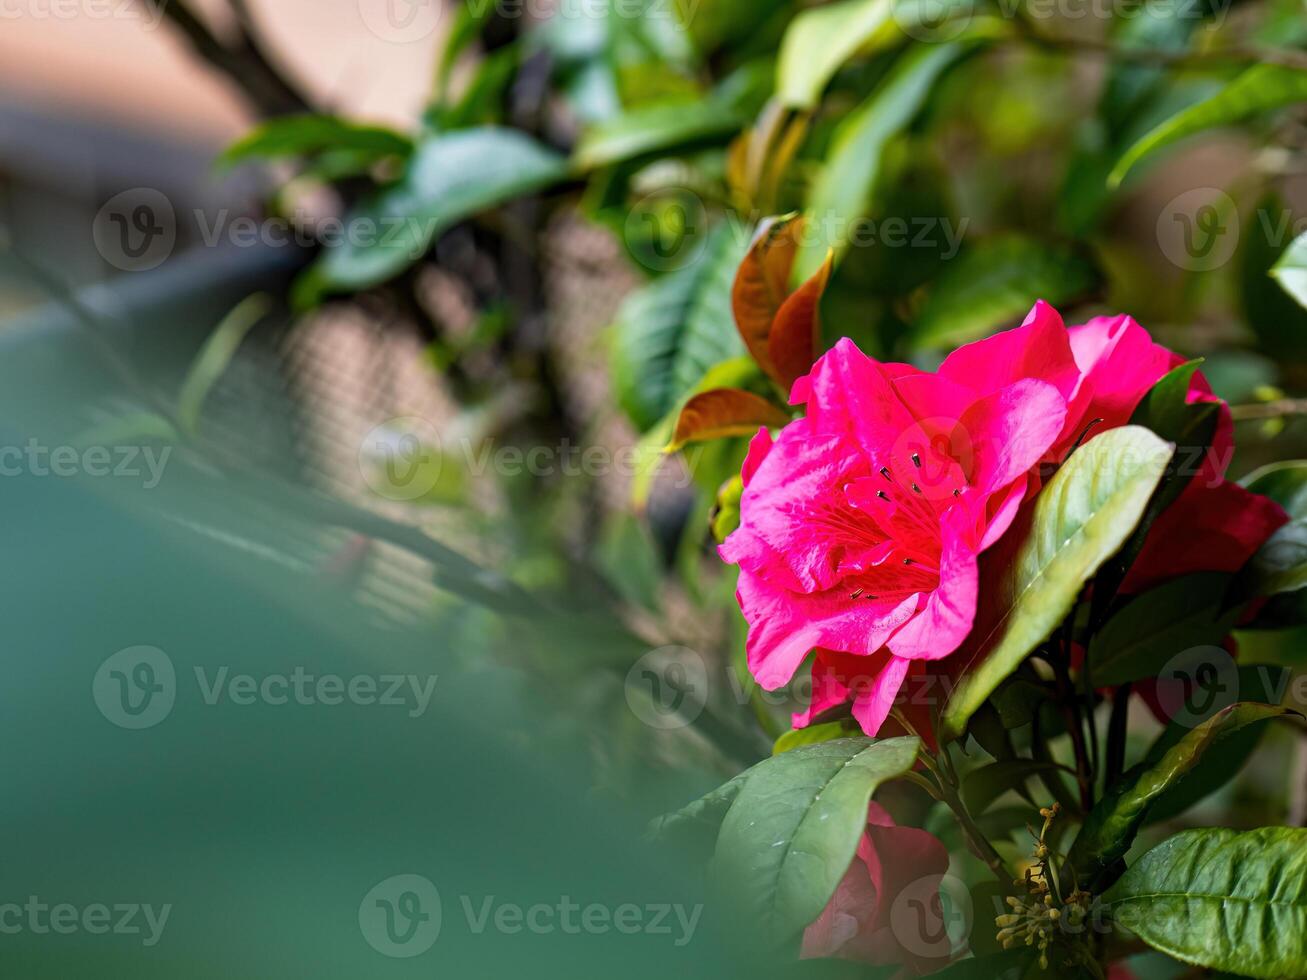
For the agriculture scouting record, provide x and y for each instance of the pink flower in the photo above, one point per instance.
(1216, 525)
(860, 526)
(886, 910)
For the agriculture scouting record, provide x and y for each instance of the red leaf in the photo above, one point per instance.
(723, 412)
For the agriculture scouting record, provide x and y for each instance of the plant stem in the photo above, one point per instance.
(979, 842)
(1269, 410)
(1071, 712)
(1116, 735)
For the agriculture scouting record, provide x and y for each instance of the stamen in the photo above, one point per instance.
(882, 495)
(855, 593)
(916, 460)
(957, 493)
(908, 561)
(884, 471)
(916, 489)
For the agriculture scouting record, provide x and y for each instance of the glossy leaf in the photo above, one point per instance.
(306, 135)
(821, 39)
(724, 412)
(1222, 762)
(1259, 89)
(450, 178)
(841, 193)
(670, 332)
(661, 126)
(1280, 565)
(814, 735)
(762, 284)
(1222, 899)
(1154, 627)
(993, 285)
(1110, 828)
(796, 333)
(1285, 483)
(790, 827)
(1087, 511)
(1291, 270)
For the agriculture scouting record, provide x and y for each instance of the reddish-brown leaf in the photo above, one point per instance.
(722, 412)
(796, 331)
(762, 284)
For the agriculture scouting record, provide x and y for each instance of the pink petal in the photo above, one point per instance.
(1039, 348)
(945, 620)
(1012, 430)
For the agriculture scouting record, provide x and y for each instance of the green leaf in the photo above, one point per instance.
(821, 39)
(659, 127)
(1266, 249)
(1110, 828)
(1285, 483)
(842, 190)
(1259, 89)
(306, 135)
(1222, 899)
(1222, 762)
(981, 787)
(790, 827)
(451, 177)
(1084, 515)
(1291, 270)
(1280, 565)
(1155, 626)
(994, 284)
(214, 357)
(814, 734)
(670, 332)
